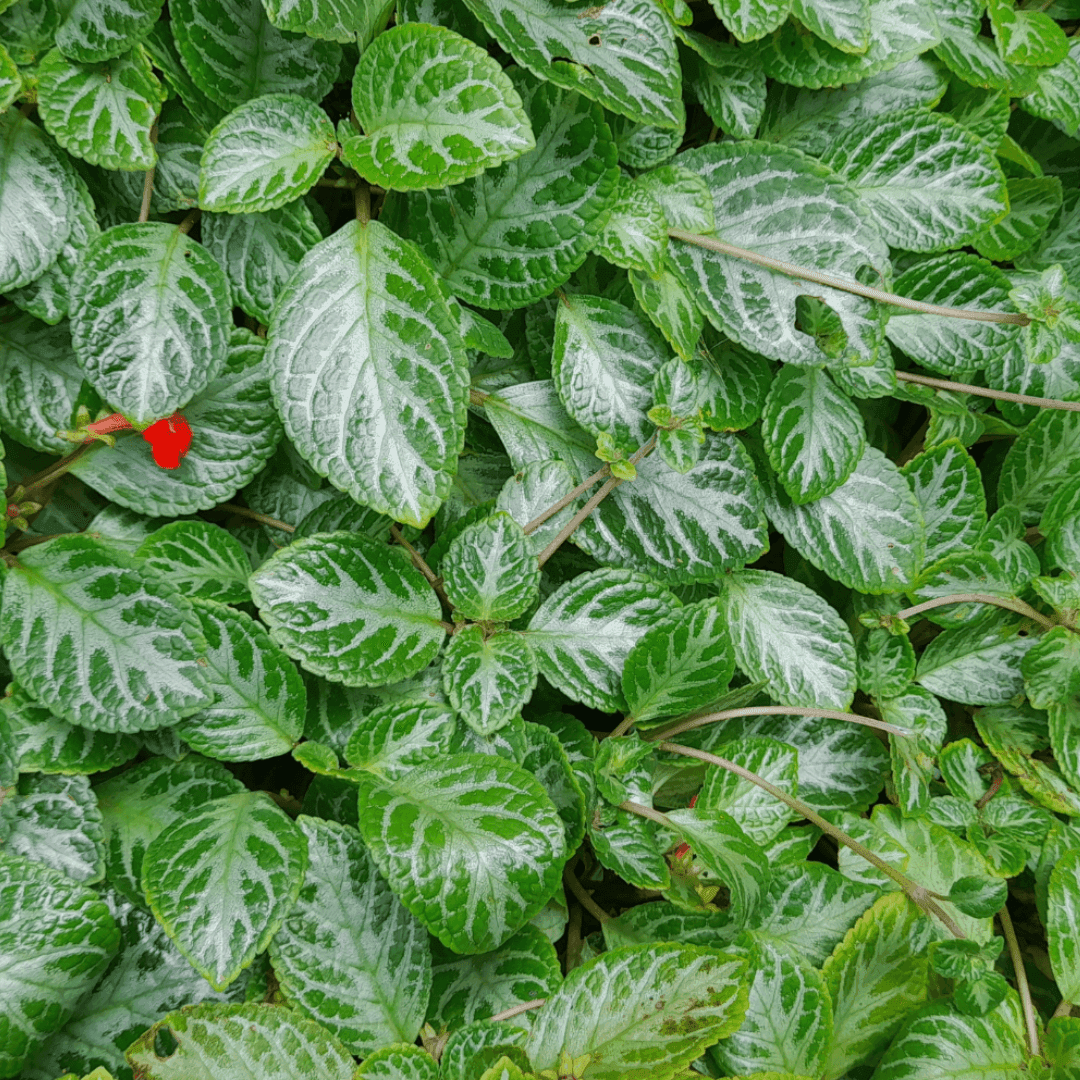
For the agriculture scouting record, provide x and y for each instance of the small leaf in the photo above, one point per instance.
(488, 679)
(979, 897)
(635, 235)
(98, 30)
(391, 739)
(265, 154)
(202, 560)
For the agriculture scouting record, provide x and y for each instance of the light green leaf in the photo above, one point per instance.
(621, 54)
(234, 430)
(510, 236)
(875, 978)
(729, 84)
(1052, 669)
(635, 235)
(102, 112)
(844, 24)
(38, 200)
(487, 679)
(346, 21)
(620, 1008)
(221, 881)
(628, 847)
(491, 574)
(1063, 928)
(1041, 460)
(212, 1041)
(914, 756)
(1056, 96)
(264, 154)
(1026, 37)
(55, 820)
(399, 1061)
(764, 198)
(788, 1023)
(97, 30)
(1033, 203)
(868, 534)
(468, 988)
(259, 699)
(470, 843)
(670, 308)
(260, 252)
(753, 20)
(583, 632)
(682, 663)
(390, 740)
(56, 939)
(234, 53)
(349, 955)
(530, 491)
(343, 381)
(349, 608)
(473, 1048)
(548, 759)
(10, 79)
(103, 643)
(202, 560)
(435, 109)
(151, 314)
(788, 636)
(813, 433)
(604, 361)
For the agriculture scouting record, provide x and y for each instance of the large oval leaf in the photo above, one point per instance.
(359, 325)
(150, 318)
(103, 643)
(350, 609)
(470, 843)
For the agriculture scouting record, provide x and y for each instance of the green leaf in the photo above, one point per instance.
(259, 699)
(491, 573)
(813, 433)
(202, 560)
(621, 1009)
(264, 154)
(1056, 96)
(788, 636)
(844, 24)
(472, 1048)
(622, 55)
(468, 988)
(635, 235)
(104, 644)
(211, 1041)
(234, 430)
(531, 491)
(980, 897)
(260, 252)
(10, 79)
(548, 759)
(1033, 203)
(1040, 461)
(470, 843)
(1051, 668)
(399, 1061)
(150, 318)
(729, 84)
(346, 21)
(234, 53)
(38, 200)
(487, 679)
(161, 45)
(924, 178)
(98, 30)
(510, 236)
(349, 955)
(102, 112)
(753, 20)
(1063, 928)
(343, 381)
(788, 1023)
(56, 939)
(390, 740)
(756, 189)
(604, 361)
(875, 978)
(670, 308)
(913, 756)
(221, 881)
(435, 109)
(349, 608)
(583, 632)
(1026, 37)
(682, 663)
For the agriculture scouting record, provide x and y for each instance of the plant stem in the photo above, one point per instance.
(148, 181)
(982, 391)
(583, 898)
(1009, 603)
(573, 940)
(188, 223)
(568, 529)
(566, 500)
(1065, 1008)
(847, 285)
(517, 1010)
(623, 726)
(58, 468)
(648, 813)
(262, 519)
(1022, 987)
(362, 199)
(346, 182)
(420, 563)
(771, 710)
(917, 893)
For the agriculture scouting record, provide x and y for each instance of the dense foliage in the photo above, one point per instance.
(565, 650)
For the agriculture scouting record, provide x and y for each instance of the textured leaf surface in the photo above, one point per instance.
(213, 1040)
(487, 679)
(635, 235)
(470, 843)
(349, 955)
(361, 321)
(1042, 459)
(582, 633)
(265, 154)
(97, 30)
(621, 1008)
(352, 21)
(435, 109)
(1063, 930)
(150, 318)
(104, 644)
(509, 237)
(391, 739)
(621, 54)
(349, 609)
(222, 880)
(202, 560)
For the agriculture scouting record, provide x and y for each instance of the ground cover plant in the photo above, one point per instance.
(542, 540)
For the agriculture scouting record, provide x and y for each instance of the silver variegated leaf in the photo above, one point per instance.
(488, 678)
(97, 30)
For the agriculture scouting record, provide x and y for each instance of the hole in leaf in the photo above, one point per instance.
(165, 1044)
(815, 318)
(568, 60)
(595, 39)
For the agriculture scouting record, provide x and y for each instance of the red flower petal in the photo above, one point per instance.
(169, 440)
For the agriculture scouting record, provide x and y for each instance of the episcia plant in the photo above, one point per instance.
(597, 592)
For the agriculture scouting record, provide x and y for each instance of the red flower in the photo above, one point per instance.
(169, 440)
